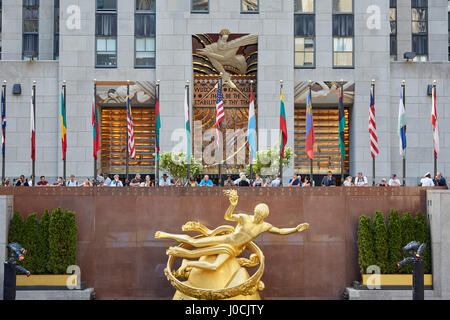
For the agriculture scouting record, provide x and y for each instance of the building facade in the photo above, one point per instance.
(323, 41)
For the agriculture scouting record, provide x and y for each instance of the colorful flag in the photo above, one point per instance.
(251, 133)
(157, 127)
(187, 124)
(342, 123)
(32, 128)
(402, 126)
(63, 126)
(310, 138)
(434, 123)
(3, 124)
(95, 128)
(283, 126)
(372, 127)
(131, 148)
(220, 113)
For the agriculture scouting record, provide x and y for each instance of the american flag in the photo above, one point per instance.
(373, 127)
(131, 149)
(434, 123)
(220, 113)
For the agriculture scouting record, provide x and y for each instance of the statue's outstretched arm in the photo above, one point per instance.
(233, 197)
(286, 231)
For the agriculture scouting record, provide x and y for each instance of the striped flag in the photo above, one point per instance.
(157, 127)
(251, 133)
(187, 124)
(63, 126)
(372, 127)
(220, 113)
(32, 128)
(342, 123)
(95, 129)
(3, 124)
(434, 123)
(131, 148)
(283, 126)
(310, 138)
(402, 126)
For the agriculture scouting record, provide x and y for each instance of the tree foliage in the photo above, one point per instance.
(43, 244)
(267, 162)
(408, 235)
(422, 235)
(176, 165)
(16, 229)
(30, 242)
(366, 250)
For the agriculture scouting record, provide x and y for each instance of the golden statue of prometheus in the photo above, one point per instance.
(219, 273)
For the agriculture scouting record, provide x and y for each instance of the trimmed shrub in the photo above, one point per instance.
(366, 256)
(408, 235)
(380, 241)
(43, 244)
(422, 235)
(62, 241)
(30, 242)
(17, 229)
(394, 241)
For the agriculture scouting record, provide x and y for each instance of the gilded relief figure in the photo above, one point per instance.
(219, 248)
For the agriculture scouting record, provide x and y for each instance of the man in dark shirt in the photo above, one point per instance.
(440, 180)
(295, 181)
(329, 180)
(136, 182)
(22, 182)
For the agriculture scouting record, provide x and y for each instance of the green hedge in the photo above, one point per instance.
(382, 245)
(51, 241)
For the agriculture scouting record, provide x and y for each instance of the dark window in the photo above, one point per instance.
(304, 33)
(106, 34)
(30, 29)
(144, 31)
(200, 6)
(343, 33)
(56, 32)
(249, 6)
(393, 29)
(419, 27)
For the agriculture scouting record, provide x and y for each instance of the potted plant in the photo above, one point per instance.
(176, 165)
(267, 162)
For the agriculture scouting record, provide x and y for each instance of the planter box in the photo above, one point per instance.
(396, 280)
(45, 280)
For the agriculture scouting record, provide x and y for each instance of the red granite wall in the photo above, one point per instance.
(120, 258)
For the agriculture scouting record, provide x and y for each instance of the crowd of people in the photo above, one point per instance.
(104, 180)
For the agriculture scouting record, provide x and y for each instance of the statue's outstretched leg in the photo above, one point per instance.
(201, 242)
(221, 258)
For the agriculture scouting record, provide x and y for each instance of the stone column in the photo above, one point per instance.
(46, 29)
(404, 35)
(12, 30)
(6, 211)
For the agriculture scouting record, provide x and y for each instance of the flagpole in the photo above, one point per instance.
(65, 155)
(342, 159)
(434, 104)
(310, 160)
(128, 97)
(220, 148)
(373, 157)
(281, 153)
(4, 134)
(250, 153)
(188, 161)
(157, 142)
(404, 154)
(33, 163)
(95, 107)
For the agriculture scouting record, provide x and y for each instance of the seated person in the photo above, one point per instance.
(206, 182)
(136, 182)
(42, 182)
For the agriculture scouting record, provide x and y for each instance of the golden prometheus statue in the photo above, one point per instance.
(219, 273)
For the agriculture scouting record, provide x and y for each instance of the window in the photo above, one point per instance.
(249, 6)
(106, 34)
(56, 32)
(304, 32)
(30, 29)
(419, 21)
(343, 32)
(144, 31)
(200, 6)
(393, 32)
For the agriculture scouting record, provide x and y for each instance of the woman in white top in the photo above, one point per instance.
(116, 182)
(147, 183)
(394, 181)
(348, 182)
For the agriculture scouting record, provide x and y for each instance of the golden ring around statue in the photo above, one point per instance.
(248, 287)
